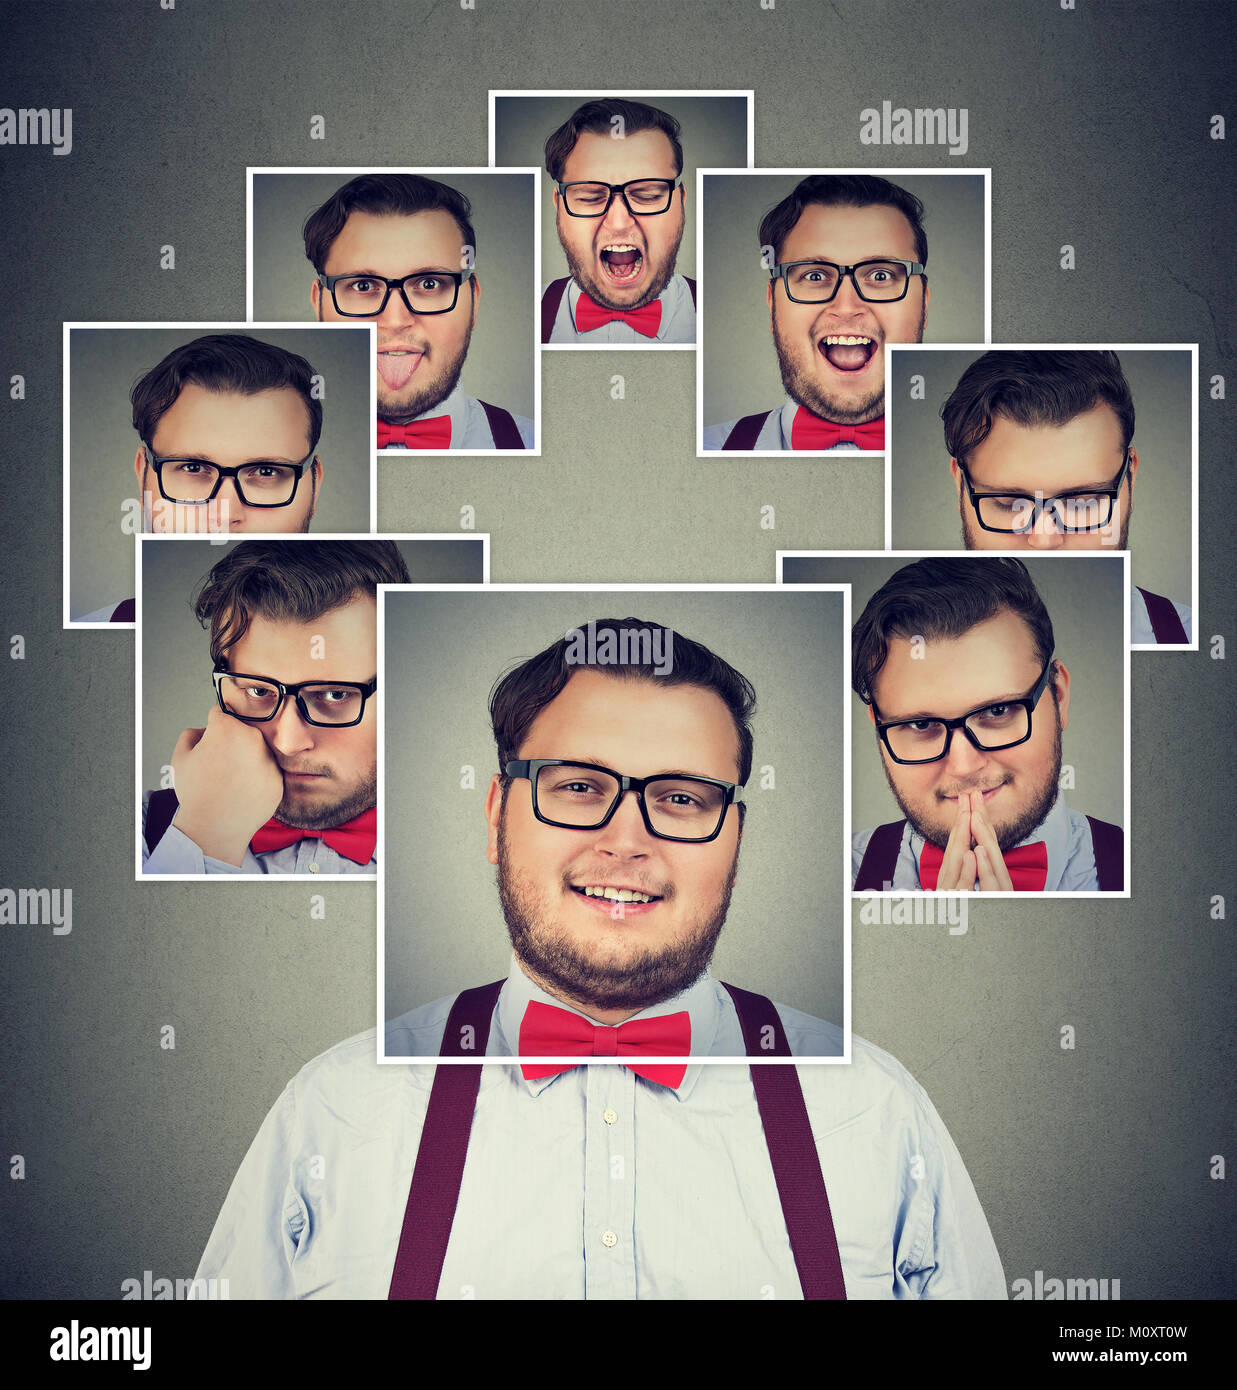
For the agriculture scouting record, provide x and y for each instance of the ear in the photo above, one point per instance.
(957, 477)
(315, 300)
(139, 466)
(871, 715)
(927, 290)
(1133, 469)
(1061, 682)
(476, 297)
(769, 288)
(683, 196)
(493, 810)
(315, 476)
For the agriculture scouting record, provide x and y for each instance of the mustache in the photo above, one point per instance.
(321, 770)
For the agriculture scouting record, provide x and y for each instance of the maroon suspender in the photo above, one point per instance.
(1108, 842)
(746, 431)
(792, 1150)
(161, 808)
(439, 1169)
(125, 611)
(1166, 624)
(691, 285)
(502, 426)
(880, 858)
(550, 301)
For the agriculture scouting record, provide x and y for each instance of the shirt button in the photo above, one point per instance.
(609, 1239)
(610, 1116)
(313, 868)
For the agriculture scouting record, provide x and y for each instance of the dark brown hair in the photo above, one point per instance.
(595, 117)
(842, 190)
(392, 195)
(1033, 388)
(290, 582)
(943, 598)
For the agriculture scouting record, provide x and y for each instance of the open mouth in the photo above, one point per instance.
(616, 902)
(396, 366)
(622, 262)
(847, 352)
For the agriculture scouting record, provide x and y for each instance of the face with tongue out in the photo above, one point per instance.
(622, 261)
(832, 355)
(419, 355)
(615, 920)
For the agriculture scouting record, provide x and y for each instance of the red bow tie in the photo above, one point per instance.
(547, 1030)
(812, 433)
(590, 314)
(434, 433)
(1027, 865)
(354, 839)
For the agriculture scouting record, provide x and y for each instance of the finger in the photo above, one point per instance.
(188, 740)
(988, 880)
(956, 846)
(968, 872)
(985, 837)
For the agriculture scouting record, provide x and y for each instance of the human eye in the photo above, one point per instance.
(922, 728)
(997, 716)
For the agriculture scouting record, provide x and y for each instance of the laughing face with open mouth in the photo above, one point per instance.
(832, 354)
(625, 259)
(420, 356)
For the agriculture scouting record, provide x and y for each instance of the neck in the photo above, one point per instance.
(592, 1011)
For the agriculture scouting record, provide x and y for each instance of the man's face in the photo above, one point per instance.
(329, 775)
(622, 261)
(995, 661)
(602, 955)
(230, 429)
(1085, 452)
(419, 355)
(838, 380)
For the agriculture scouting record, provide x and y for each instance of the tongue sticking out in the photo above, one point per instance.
(395, 368)
(847, 357)
(620, 258)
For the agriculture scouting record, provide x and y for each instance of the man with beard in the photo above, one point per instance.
(618, 197)
(614, 820)
(399, 249)
(1042, 456)
(283, 778)
(849, 275)
(968, 701)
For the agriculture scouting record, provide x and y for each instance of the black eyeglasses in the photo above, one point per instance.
(258, 699)
(1019, 512)
(194, 482)
(584, 796)
(423, 292)
(643, 197)
(1002, 724)
(817, 282)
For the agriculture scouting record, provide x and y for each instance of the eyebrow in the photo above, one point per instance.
(668, 772)
(971, 709)
(378, 274)
(1076, 487)
(875, 256)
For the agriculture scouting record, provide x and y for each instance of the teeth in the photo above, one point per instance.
(845, 340)
(620, 246)
(618, 895)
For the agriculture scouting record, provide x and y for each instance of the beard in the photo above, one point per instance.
(660, 274)
(576, 976)
(293, 810)
(1042, 793)
(402, 407)
(805, 389)
(971, 530)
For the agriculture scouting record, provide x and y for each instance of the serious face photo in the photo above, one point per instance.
(611, 851)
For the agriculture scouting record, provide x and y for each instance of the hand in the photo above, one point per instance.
(227, 785)
(990, 863)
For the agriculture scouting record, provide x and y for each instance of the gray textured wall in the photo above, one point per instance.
(1089, 1162)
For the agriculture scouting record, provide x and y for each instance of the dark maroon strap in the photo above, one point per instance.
(880, 858)
(792, 1149)
(745, 431)
(502, 426)
(439, 1169)
(550, 301)
(1166, 624)
(691, 285)
(161, 809)
(125, 611)
(1108, 842)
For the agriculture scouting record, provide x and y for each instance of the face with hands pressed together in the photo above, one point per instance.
(1047, 460)
(974, 804)
(625, 259)
(613, 958)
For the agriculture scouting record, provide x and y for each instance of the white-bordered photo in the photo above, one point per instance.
(443, 262)
(990, 707)
(673, 762)
(809, 274)
(257, 698)
(1034, 448)
(206, 428)
(618, 172)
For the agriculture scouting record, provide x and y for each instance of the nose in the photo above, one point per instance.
(1045, 534)
(395, 313)
(624, 836)
(288, 733)
(847, 299)
(618, 218)
(963, 760)
(230, 509)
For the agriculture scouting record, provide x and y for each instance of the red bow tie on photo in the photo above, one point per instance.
(1027, 865)
(590, 314)
(354, 839)
(810, 432)
(434, 433)
(546, 1031)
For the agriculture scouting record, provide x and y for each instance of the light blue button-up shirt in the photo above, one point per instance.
(775, 433)
(677, 325)
(596, 1183)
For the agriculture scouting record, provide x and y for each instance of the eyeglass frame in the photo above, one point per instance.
(530, 768)
(778, 272)
(367, 689)
(328, 282)
(1028, 702)
(156, 463)
(621, 190)
(1040, 504)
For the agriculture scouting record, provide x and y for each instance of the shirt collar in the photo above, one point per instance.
(455, 406)
(1053, 830)
(700, 1001)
